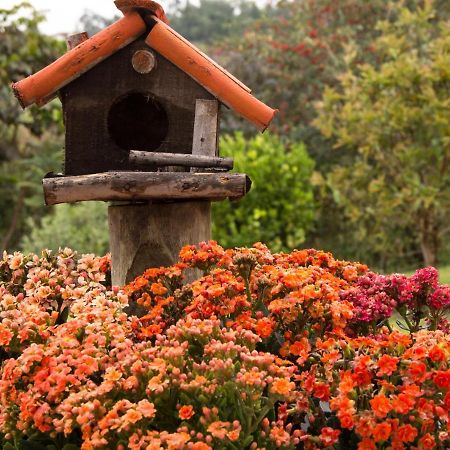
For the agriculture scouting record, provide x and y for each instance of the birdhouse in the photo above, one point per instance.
(141, 111)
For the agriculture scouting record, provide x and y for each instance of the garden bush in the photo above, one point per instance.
(280, 209)
(285, 350)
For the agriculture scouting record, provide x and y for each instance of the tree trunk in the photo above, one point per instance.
(429, 238)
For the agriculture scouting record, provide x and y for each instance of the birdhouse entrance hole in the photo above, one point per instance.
(137, 121)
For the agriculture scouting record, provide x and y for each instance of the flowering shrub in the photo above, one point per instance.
(263, 351)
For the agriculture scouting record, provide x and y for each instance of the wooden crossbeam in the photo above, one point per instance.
(134, 186)
(179, 159)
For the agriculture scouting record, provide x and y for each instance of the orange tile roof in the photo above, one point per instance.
(43, 85)
(210, 75)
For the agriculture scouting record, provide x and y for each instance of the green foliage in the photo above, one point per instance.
(23, 51)
(30, 141)
(395, 116)
(280, 208)
(83, 227)
(210, 20)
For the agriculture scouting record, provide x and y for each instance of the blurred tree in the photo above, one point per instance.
(280, 207)
(82, 227)
(210, 20)
(92, 22)
(23, 50)
(394, 115)
(289, 56)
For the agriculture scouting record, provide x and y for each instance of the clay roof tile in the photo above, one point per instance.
(43, 85)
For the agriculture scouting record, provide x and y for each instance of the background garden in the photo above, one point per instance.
(358, 162)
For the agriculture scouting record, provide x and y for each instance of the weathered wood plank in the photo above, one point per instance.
(76, 39)
(179, 159)
(206, 124)
(133, 186)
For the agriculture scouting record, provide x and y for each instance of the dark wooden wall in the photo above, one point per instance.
(94, 139)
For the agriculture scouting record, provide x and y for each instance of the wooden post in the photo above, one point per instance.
(76, 39)
(143, 236)
(152, 235)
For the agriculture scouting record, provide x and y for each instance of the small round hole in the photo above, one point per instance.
(138, 122)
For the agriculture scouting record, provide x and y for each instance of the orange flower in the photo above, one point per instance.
(382, 431)
(132, 416)
(427, 441)
(200, 446)
(381, 405)
(151, 330)
(346, 384)
(403, 403)
(418, 371)
(218, 429)
(367, 444)
(346, 421)
(5, 335)
(186, 412)
(146, 408)
(407, 433)
(387, 365)
(264, 328)
(158, 289)
(365, 426)
(282, 386)
(280, 436)
(437, 354)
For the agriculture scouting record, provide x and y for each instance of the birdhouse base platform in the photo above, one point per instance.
(145, 186)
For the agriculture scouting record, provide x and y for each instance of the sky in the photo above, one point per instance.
(62, 15)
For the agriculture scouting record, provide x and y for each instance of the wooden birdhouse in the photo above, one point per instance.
(141, 112)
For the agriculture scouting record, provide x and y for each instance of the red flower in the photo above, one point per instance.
(329, 436)
(322, 392)
(437, 354)
(442, 379)
(407, 433)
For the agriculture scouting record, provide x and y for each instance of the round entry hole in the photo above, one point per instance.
(138, 122)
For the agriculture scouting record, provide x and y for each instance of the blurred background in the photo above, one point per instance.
(357, 162)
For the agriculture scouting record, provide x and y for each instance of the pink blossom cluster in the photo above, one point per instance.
(375, 296)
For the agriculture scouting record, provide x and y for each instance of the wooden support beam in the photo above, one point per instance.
(135, 186)
(179, 159)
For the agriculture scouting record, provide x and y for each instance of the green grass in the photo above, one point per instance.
(444, 275)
